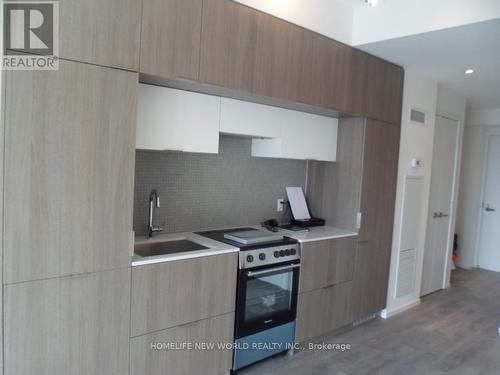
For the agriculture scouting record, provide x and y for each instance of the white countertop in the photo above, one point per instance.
(214, 248)
(319, 233)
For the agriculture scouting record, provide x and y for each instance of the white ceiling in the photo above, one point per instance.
(354, 4)
(444, 55)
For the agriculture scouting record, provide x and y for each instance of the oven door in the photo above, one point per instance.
(267, 297)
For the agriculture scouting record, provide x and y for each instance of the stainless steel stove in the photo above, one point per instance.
(266, 300)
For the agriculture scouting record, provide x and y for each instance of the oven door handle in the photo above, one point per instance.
(263, 272)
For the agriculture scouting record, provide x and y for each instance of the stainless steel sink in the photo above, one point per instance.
(151, 249)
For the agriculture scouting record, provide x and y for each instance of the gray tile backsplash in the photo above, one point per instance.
(205, 191)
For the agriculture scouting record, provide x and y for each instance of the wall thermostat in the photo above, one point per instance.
(415, 163)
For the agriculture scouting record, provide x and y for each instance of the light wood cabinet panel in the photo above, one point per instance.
(323, 310)
(228, 44)
(338, 76)
(334, 189)
(69, 171)
(76, 325)
(327, 262)
(283, 63)
(377, 206)
(2, 166)
(384, 90)
(104, 32)
(171, 38)
(173, 293)
(218, 330)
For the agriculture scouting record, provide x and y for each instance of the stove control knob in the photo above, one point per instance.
(250, 258)
(262, 256)
(282, 253)
(287, 252)
(276, 254)
(293, 251)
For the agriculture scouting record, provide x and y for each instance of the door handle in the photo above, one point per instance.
(489, 209)
(438, 215)
(271, 270)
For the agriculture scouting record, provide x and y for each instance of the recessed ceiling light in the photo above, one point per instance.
(469, 71)
(371, 3)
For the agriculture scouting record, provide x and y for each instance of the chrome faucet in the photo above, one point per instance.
(154, 200)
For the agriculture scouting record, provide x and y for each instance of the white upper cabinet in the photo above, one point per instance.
(302, 136)
(170, 119)
(250, 119)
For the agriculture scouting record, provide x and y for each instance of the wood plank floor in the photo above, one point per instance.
(451, 332)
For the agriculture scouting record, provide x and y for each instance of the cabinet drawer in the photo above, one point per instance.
(327, 262)
(148, 360)
(323, 310)
(169, 294)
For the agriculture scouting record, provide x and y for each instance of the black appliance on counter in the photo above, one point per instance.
(266, 299)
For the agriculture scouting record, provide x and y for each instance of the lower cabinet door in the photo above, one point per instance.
(323, 310)
(326, 262)
(75, 325)
(188, 349)
(171, 294)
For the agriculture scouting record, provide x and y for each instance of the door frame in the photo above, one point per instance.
(453, 201)
(487, 132)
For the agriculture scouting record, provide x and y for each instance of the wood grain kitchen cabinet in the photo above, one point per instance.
(171, 38)
(248, 50)
(334, 189)
(378, 195)
(104, 32)
(326, 263)
(283, 61)
(72, 325)
(384, 90)
(228, 44)
(323, 310)
(173, 293)
(69, 171)
(217, 330)
(338, 76)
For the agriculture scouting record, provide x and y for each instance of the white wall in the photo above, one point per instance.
(328, 17)
(397, 18)
(416, 142)
(478, 122)
(413, 187)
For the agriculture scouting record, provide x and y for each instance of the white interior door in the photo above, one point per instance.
(439, 236)
(489, 248)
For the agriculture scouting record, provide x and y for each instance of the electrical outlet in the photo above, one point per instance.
(280, 204)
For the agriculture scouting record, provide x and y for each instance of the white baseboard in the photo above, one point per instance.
(386, 313)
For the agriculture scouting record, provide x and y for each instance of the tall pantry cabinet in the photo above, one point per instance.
(68, 192)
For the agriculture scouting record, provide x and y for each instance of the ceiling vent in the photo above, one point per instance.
(418, 117)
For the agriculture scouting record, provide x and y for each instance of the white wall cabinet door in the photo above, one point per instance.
(303, 136)
(170, 119)
(250, 119)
